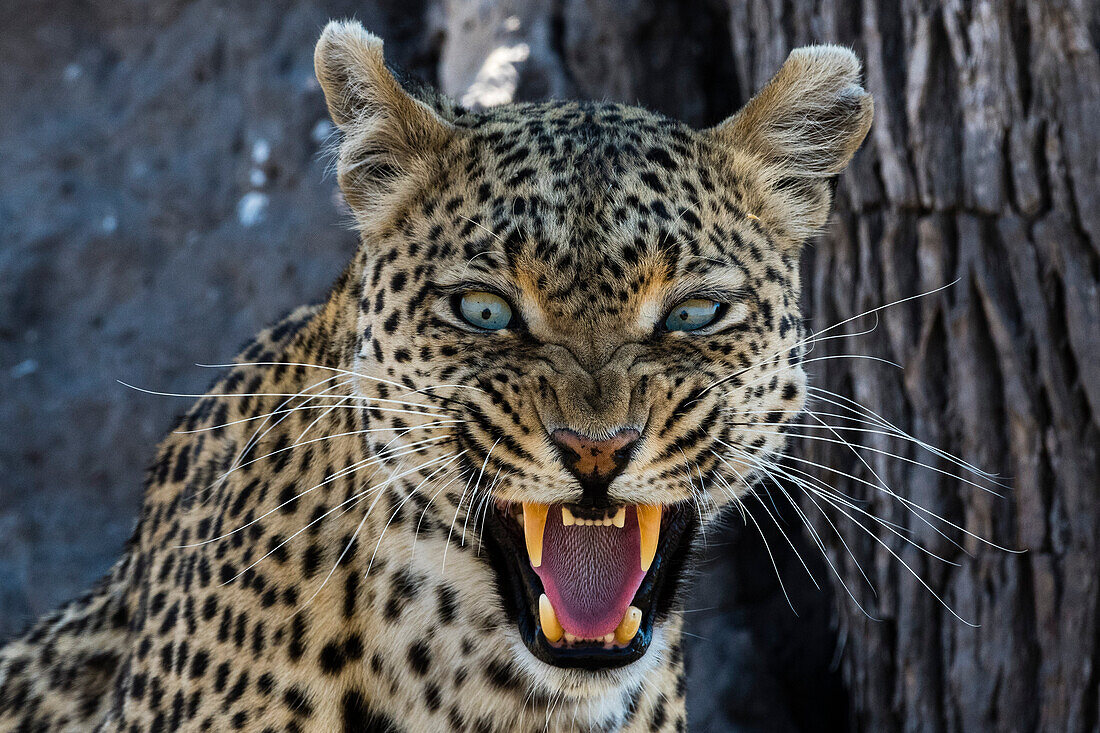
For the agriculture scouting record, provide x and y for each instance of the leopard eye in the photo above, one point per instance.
(485, 310)
(692, 314)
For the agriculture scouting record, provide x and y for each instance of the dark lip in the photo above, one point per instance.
(658, 594)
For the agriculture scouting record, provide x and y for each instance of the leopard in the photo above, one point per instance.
(466, 491)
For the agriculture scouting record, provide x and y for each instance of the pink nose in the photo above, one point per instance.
(595, 463)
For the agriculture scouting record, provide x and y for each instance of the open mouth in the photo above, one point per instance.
(586, 587)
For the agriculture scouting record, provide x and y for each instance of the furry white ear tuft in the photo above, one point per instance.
(810, 118)
(387, 133)
(800, 131)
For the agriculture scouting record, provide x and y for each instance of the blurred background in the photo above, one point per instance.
(162, 198)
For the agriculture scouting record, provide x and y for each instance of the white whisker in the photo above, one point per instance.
(366, 462)
(816, 337)
(767, 547)
(885, 423)
(880, 451)
(338, 370)
(377, 488)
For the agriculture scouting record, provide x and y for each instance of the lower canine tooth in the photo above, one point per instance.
(534, 521)
(628, 627)
(551, 629)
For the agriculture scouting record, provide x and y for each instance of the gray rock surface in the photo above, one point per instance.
(162, 196)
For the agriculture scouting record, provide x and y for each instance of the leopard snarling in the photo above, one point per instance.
(463, 492)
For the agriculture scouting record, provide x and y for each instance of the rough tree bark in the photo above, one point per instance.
(127, 163)
(982, 168)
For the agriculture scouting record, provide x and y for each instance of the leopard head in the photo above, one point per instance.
(590, 313)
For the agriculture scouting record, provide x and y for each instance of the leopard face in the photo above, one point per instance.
(601, 306)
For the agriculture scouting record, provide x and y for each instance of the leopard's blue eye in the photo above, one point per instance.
(692, 314)
(485, 310)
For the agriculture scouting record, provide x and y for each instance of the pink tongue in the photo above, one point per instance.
(590, 573)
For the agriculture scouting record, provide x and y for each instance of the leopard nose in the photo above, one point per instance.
(594, 462)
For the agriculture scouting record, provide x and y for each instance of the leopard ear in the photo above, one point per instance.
(801, 129)
(387, 133)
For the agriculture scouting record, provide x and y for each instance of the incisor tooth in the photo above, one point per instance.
(628, 627)
(551, 628)
(619, 520)
(534, 521)
(649, 527)
(567, 518)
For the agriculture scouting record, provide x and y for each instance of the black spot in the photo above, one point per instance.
(199, 663)
(351, 591)
(221, 677)
(358, 718)
(296, 700)
(501, 675)
(311, 560)
(661, 158)
(420, 657)
(651, 181)
(288, 499)
(237, 690)
(658, 720)
(297, 638)
(332, 657)
(448, 603)
(266, 683)
(432, 696)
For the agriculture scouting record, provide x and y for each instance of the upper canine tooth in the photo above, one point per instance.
(567, 518)
(628, 627)
(551, 627)
(619, 520)
(649, 527)
(534, 521)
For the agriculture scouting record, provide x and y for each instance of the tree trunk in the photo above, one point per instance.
(982, 169)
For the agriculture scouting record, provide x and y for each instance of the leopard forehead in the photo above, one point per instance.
(587, 211)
